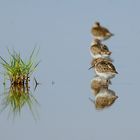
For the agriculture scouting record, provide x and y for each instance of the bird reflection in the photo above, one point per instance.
(97, 83)
(105, 98)
(17, 97)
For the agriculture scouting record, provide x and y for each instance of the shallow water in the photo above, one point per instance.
(62, 30)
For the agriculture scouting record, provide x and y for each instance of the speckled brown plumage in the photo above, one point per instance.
(100, 49)
(100, 31)
(96, 61)
(105, 66)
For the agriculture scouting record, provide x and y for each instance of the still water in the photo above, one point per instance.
(65, 109)
(62, 31)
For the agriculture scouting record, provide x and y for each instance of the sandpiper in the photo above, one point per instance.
(104, 68)
(100, 32)
(98, 50)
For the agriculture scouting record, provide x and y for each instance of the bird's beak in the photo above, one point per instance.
(112, 34)
(116, 97)
(116, 72)
(90, 67)
(109, 53)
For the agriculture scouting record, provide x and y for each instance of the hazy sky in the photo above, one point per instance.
(61, 29)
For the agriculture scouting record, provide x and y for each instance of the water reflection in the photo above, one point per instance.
(97, 83)
(103, 68)
(36, 84)
(104, 97)
(16, 97)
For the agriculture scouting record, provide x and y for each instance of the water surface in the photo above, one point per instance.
(62, 30)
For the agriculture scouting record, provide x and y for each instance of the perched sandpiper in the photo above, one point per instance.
(104, 68)
(98, 50)
(99, 32)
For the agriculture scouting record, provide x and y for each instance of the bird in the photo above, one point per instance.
(104, 68)
(105, 98)
(101, 33)
(94, 61)
(98, 50)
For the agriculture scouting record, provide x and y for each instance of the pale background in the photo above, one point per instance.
(62, 30)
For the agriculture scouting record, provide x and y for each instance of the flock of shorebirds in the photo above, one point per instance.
(103, 67)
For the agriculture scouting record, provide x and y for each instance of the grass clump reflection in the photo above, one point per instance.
(17, 97)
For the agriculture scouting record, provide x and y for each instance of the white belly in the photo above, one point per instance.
(108, 75)
(95, 56)
(99, 37)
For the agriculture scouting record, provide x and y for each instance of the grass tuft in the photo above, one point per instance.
(17, 70)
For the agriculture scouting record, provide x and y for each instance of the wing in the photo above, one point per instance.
(105, 66)
(95, 49)
(99, 31)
